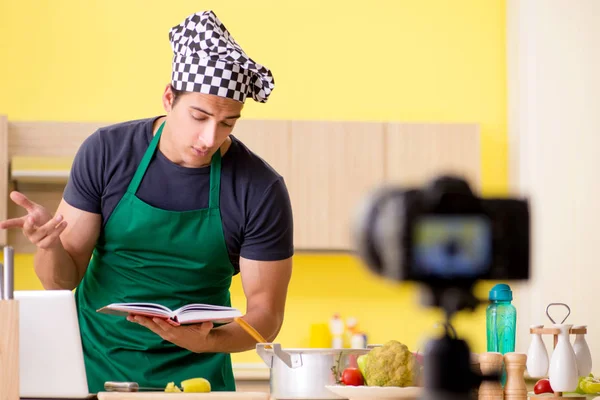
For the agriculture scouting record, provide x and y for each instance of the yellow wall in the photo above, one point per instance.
(417, 60)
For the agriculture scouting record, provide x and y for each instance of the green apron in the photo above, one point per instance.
(147, 254)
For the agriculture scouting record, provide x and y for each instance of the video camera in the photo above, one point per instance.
(445, 238)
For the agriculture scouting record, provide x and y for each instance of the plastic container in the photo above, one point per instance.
(336, 327)
(501, 323)
(501, 320)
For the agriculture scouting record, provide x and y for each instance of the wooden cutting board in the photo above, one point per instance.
(182, 396)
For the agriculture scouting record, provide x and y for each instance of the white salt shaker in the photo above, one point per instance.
(582, 353)
(563, 372)
(537, 355)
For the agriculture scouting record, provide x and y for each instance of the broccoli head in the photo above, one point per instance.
(390, 365)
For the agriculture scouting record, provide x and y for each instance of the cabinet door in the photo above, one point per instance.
(270, 140)
(416, 153)
(333, 166)
(49, 139)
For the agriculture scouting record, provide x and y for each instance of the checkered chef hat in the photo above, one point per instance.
(208, 60)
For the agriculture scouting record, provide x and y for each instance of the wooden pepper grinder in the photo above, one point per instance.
(515, 387)
(490, 363)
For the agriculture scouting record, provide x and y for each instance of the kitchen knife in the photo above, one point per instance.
(1, 281)
(112, 386)
(8, 273)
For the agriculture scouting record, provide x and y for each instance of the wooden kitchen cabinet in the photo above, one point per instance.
(333, 165)
(415, 153)
(328, 166)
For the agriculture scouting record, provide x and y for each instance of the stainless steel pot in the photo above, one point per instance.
(304, 373)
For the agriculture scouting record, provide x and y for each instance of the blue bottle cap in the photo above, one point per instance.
(501, 292)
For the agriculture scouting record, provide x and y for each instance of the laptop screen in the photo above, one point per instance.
(51, 363)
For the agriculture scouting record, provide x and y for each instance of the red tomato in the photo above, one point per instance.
(542, 386)
(419, 357)
(352, 377)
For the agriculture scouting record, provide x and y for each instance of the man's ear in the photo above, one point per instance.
(168, 98)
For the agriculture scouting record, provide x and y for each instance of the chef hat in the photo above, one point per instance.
(208, 60)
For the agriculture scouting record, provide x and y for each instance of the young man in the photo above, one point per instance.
(167, 210)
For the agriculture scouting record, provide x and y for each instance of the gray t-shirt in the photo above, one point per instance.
(255, 205)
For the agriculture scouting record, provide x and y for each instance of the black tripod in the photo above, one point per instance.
(448, 371)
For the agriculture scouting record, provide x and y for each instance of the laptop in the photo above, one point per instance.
(50, 352)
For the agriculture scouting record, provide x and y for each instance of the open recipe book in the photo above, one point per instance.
(188, 314)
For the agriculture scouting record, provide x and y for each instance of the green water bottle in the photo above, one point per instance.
(501, 323)
(501, 320)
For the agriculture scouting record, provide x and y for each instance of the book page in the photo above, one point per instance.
(216, 316)
(202, 307)
(141, 308)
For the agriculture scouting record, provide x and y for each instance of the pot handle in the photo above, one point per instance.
(266, 356)
(291, 360)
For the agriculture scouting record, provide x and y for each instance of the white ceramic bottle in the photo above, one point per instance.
(563, 372)
(537, 356)
(582, 353)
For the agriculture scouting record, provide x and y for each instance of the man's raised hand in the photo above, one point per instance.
(38, 225)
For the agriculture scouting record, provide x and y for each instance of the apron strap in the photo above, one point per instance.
(141, 169)
(215, 180)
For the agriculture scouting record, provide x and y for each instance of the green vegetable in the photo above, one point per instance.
(390, 365)
(362, 360)
(588, 385)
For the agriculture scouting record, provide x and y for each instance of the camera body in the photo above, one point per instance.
(443, 235)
